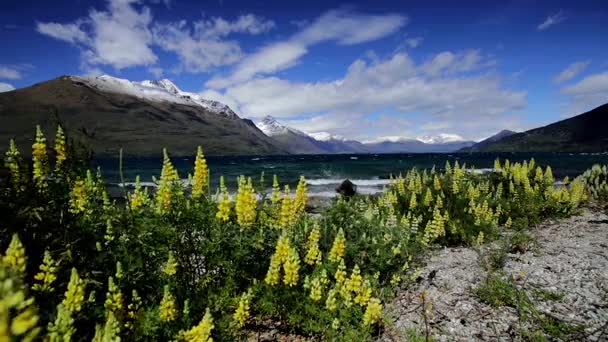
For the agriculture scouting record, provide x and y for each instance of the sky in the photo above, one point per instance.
(362, 70)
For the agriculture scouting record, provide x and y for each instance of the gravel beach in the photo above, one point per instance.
(569, 259)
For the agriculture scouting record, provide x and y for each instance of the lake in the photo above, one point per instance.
(324, 172)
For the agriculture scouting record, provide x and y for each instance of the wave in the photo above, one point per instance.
(358, 182)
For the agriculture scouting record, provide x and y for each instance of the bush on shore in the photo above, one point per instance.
(185, 264)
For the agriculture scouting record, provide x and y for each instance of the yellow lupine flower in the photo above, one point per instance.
(436, 183)
(139, 197)
(201, 332)
(276, 190)
(313, 253)
(18, 314)
(286, 217)
(168, 310)
(40, 160)
(413, 203)
(338, 248)
(168, 178)
(301, 197)
(13, 161)
(549, 180)
(340, 275)
(170, 267)
(200, 181)
(47, 274)
(62, 328)
(14, 257)
(74, 296)
(110, 331)
(480, 238)
(373, 311)
(331, 303)
(242, 311)
(246, 202)
(79, 199)
(317, 286)
(114, 299)
(291, 268)
(273, 276)
(61, 154)
(223, 207)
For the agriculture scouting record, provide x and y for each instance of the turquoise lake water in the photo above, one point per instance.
(324, 172)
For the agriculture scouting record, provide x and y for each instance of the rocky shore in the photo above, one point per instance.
(555, 287)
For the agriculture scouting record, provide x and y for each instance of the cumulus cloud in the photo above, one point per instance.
(552, 19)
(571, 71)
(4, 87)
(588, 93)
(119, 37)
(10, 72)
(71, 33)
(341, 26)
(124, 36)
(339, 106)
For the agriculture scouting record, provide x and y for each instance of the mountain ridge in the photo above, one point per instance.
(586, 132)
(107, 120)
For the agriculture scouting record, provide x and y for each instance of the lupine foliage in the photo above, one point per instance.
(181, 264)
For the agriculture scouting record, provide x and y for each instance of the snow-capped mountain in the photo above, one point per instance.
(107, 114)
(441, 138)
(271, 127)
(326, 136)
(154, 90)
(299, 142)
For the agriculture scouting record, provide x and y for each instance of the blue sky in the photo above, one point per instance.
(363, 70)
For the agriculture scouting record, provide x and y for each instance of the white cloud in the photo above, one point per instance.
(124, 36)
(156, 71)
(349, 28)
(204, 45)
(343, 27)
(571, 71)
(195, 53)
(119, 37)
(10, 72)
(71, 33)
(340, 106)
(219, 27)
(449, 63)
(5, 87)
(590, 92)
(551, 20)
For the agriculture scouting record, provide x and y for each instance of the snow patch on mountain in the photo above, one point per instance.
(326, 136)
(271, 127)
(441, 138)
(392, 138)
(154, 90)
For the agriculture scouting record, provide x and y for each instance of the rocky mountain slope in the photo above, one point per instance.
(587, 132)
(107, 113)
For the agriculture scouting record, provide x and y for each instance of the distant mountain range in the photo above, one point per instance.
(587, 132)
(298, 142)
(107, 113)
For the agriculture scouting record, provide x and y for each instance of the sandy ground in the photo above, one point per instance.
(570, 258)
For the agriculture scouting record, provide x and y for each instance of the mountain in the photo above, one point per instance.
(338, 144)
(292, 140)
(587, 132)
(496, 137)
(298, 142)
(107, 113)
(416, 146)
